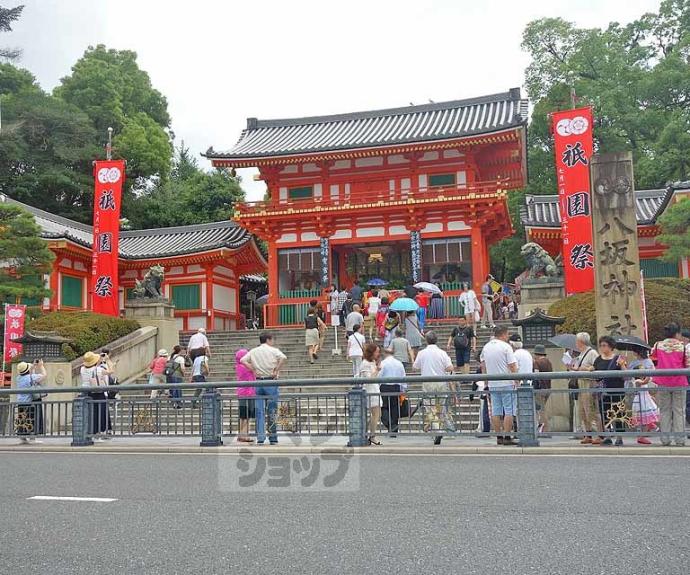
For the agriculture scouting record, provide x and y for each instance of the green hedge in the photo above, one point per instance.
(86, 330)
(667, 300)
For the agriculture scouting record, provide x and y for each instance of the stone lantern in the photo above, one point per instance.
(538, 327)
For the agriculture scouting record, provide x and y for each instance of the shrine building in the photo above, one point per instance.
(413, 193)
(206, 267)
(542, 221)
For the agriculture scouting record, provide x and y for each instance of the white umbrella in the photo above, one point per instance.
(426, 286)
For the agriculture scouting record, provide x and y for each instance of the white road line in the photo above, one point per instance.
(55, 498)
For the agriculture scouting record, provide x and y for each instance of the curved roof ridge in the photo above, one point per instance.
(253, 123)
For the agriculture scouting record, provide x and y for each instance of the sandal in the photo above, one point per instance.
(372, 442)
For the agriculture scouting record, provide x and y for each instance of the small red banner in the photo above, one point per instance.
(15, 315)
(109, 176)
(572, 132)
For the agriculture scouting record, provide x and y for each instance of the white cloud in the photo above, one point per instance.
(219, 62)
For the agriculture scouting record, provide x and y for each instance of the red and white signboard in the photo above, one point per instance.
(15, 314)
(109, 176)
(572, 132)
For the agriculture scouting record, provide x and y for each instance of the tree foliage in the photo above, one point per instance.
(7, 17)
(675, 227)
(25, 256)
(189, 196)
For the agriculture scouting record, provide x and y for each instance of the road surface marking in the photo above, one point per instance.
(55, 498)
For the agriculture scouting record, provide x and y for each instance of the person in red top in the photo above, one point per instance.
(422, 299)
(157, 367)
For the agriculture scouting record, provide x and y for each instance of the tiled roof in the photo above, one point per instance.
(428, 122)
(145, 244)
(542, 211)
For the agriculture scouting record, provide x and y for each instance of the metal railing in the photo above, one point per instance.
(444, 406)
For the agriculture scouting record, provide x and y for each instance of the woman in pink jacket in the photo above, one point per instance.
(245, 395)
(671, 353)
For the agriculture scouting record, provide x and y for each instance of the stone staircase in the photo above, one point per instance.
(324, 410)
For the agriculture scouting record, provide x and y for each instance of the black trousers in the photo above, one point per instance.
(390, 410)
(608, 400)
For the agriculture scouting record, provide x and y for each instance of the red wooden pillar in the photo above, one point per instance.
(479, 258)
(273, 283)
(54, 285)
(210, 313)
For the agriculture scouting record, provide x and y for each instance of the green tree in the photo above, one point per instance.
(189, 196)
(111, 89)
(675, 227)
(7, 17)
(24, 254)
(46, 148)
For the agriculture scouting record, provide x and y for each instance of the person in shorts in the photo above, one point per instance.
(498, 358)
(464, 341)
(246, 395)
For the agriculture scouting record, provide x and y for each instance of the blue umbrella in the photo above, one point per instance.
(404, 304)
(377, 282)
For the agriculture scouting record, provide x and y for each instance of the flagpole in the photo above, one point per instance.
(4, 346)
(109, 145)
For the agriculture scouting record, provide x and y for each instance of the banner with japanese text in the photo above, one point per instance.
(572, 132)
(109, 176)
(15, 314)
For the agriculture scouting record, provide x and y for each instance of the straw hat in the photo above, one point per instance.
(23, 368)
(163, 352)
(91, 359)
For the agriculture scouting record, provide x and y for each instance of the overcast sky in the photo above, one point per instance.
(219, 61)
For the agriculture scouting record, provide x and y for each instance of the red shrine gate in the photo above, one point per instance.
(407, 193)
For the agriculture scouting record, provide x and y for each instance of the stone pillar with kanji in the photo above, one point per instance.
(616, 255)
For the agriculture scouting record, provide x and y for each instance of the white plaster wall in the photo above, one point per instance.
(397, 230)
(204, 303)
(286, 238)
(430, 156)
(365, 162)
(283, 194)
(433, 227)
(223, 271)
(224, 298)
(461, 178)
(452, 154)
(335, 191)
(460, 225)
(310, 168)
(79, 266)
(196, 322)
(309, 237)
(397, 159)
(66, 262)
(195, 268)
(370, 232)
(342, 234)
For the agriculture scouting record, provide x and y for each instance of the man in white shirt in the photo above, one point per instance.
(498, 358)
(198, 344)
(355, 349)
(353, 318)
(390, 392)
(265, 361)
(523, 357)
(468, 300)
(433, 361)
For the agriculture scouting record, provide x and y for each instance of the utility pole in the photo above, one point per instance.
(109, 145)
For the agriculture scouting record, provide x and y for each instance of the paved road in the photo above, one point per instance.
(411, 514)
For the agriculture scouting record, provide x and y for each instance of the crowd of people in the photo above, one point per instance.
(394, 352)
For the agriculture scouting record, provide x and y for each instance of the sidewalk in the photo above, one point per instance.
(337, 444)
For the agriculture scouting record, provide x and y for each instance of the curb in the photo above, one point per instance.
(383, 450)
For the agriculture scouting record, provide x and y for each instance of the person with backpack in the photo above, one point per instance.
(200, 372)
(157, 367)
(174, 373)
(312, 334)
(464, 341)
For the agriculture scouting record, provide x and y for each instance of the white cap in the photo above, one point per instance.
(202, 330)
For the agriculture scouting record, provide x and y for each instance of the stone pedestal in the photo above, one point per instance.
(156, 313)
(558, 404)
(540, 292)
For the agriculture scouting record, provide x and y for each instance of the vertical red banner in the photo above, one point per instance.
(109, 176)
(572, 132)
(15, 315)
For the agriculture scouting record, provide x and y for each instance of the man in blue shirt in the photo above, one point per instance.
(390, 392)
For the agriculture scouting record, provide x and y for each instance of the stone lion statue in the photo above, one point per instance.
(150, 286)
(539, 262)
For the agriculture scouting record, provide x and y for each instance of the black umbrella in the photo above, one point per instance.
(564, 340)
(631, 343)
